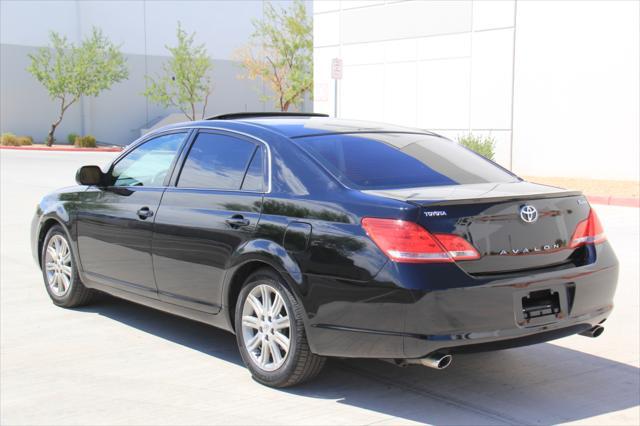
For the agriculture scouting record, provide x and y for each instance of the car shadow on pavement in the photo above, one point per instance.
(540, 384)
(195, 335)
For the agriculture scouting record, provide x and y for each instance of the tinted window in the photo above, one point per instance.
(254, 179)
(149, 163)
(216, 161)
(394, 160)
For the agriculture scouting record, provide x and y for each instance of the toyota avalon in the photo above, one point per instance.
(311, 237)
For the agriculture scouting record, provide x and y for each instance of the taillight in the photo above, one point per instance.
(457, 247)
(409, 242)
(589, 231)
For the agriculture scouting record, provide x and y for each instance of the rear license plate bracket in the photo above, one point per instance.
(541, 306)
(540, 303)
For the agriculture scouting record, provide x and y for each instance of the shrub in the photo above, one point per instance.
(9, 139)
(481, 145)
(85, 142)
(71, 138)
(25, 140)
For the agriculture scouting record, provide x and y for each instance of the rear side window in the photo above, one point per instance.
(399, 160)
(216, 161)
(254, 178)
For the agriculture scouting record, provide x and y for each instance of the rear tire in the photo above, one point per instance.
(270, 333)
(60, 273)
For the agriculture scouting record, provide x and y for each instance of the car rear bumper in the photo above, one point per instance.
(380, 320)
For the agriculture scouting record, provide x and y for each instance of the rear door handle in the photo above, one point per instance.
(144, 213)
(237, 221)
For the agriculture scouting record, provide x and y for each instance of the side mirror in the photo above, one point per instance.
(89, 175)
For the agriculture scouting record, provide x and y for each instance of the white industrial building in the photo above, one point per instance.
(556, 83)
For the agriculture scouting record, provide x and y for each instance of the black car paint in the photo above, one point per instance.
(307, 227)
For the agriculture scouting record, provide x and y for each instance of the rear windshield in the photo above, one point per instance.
(400, 160)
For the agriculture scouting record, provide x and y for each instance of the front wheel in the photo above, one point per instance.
(270, 333)
(60, 273)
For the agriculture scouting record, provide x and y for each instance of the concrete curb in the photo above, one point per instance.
(614, 201)
(62, 148)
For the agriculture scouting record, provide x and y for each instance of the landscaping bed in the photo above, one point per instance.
(599, 191)
(43, 147)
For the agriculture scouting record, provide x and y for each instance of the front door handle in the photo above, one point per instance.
(237, 221)
(144, 213)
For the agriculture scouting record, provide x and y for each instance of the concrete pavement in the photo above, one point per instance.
(118, 363)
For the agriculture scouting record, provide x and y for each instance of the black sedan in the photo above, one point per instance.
(311, 237)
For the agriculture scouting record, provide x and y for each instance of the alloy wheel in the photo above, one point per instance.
(58, 265)
(266, 328)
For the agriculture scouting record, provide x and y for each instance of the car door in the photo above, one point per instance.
(212, 209)
(115, 222)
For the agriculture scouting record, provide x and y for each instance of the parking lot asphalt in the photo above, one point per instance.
(118, 363)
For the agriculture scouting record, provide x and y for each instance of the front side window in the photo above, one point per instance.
(400, 160)
(149, 163)
(217, 161)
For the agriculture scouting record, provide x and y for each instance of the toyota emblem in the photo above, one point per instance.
(528, 213)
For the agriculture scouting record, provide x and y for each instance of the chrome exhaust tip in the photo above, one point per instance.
(437, 361)
(593, 332)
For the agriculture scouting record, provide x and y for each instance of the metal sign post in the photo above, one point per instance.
(336, 74)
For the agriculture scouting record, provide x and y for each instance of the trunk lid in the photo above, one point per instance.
(491, 218)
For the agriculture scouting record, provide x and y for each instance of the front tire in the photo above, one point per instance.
(60, 272)
(270, 333)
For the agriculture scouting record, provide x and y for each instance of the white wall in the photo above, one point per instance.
(448, 66)
(577, 106)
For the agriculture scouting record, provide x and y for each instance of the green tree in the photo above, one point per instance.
(281, 54)
(69, 72)
(186, 81)
(484, 146)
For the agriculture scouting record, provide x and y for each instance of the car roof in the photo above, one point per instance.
(296, 126)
